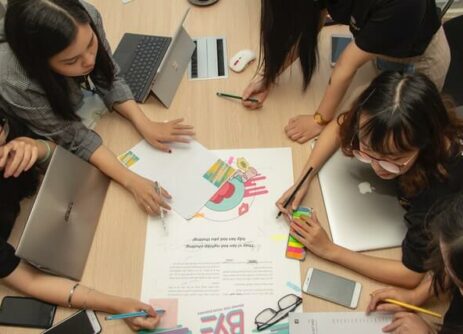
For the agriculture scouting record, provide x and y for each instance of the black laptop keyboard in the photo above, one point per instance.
(148, 56)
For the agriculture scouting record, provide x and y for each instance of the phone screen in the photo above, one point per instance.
(26, 312)
(331, 287)
(78, 323)
(338, 44)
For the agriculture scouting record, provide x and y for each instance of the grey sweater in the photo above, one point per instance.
(24, 99)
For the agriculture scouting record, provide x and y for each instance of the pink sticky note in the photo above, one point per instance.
(170, 305)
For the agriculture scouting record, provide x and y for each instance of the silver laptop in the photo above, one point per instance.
(60, 228)
(363, 210)
(154, 63)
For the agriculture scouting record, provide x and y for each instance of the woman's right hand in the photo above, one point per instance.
(377, 302)
(256, 90)
(146, 196)
(294, 204)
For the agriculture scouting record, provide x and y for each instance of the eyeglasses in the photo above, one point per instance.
(389, 166)
(268, 317)
(4, 130)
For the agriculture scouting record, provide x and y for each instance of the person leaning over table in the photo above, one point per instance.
(399, 35)
(401, 127)
(48, 50)
(20, 160)
(446, 266)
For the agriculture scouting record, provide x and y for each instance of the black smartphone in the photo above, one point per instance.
(26, 312)
(82, 322)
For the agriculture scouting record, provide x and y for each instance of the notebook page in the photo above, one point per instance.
(338, 322)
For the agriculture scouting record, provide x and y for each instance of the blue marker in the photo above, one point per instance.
(133, 314)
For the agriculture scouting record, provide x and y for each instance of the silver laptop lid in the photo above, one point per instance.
(363, 210)
(60, 228)
(173, 65)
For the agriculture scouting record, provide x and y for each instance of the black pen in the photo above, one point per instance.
(236, 97)
(290, 198)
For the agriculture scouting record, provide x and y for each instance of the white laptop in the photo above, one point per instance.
(363, 210)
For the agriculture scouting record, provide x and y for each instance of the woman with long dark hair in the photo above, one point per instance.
(51, 53)
(20, 160)
(402, 128)
(446, 268)
(402, 35)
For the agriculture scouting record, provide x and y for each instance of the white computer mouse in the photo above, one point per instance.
(241, 59)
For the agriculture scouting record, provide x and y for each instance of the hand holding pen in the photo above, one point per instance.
(136, 314)
(292, 197)
(157, 188)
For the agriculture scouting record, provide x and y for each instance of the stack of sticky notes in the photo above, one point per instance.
(294, 249)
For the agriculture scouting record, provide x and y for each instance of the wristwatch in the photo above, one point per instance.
(318, 118)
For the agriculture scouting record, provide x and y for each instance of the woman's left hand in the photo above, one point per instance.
(18, 156)
(159, 133)
(407, 322)
(311, 234)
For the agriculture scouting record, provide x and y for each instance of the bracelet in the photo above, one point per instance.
(47, 156)
(71, 293)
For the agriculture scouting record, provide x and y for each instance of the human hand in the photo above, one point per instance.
(294, 204)
(404, 295)
(18, 156)
(146, 196)
(407, 322)
(309, 232)
(159, 133)
(256, 90)
(128, 305)
(302, 128)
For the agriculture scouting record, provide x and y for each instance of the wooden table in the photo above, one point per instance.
(115, 263)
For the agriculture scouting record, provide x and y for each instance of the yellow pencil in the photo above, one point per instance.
(412, 307)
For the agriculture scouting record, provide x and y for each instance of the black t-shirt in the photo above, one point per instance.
(415, 247)
(453, 319)
(394, 28)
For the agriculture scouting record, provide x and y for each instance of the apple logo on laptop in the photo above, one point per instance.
(365, 188)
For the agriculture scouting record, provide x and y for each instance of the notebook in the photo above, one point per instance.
(62, 222)
(363, 210)
(338, 322)
(154, 63)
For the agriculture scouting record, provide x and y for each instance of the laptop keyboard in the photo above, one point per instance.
(148, 56)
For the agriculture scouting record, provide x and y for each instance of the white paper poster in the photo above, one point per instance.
(216, 272)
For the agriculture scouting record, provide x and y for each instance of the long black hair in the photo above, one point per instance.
(288, 27)
(405, 112)
(36, 30)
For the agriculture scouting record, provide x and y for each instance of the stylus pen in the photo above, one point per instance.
(236, 97)
(159, 311)
(413, 307)
(290, 198)
(157, 188)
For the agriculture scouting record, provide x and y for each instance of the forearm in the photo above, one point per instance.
(56, 290)
(383, 270)
(334, 93)
(131, 111)
(107, 163)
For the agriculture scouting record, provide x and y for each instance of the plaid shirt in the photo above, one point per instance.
(24, 99)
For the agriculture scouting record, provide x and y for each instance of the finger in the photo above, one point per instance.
(303, 139)
(183, 127)
(35, 153)
(387, 307)
(158, 202)
(4, 157)
(298, 228)
(298, 198)
(27, 155)
(251, 105)
(161, 147)
(13, 164)
(181, 139)
(176, 121)
(395, 324)
(165, 193)
(298, 237)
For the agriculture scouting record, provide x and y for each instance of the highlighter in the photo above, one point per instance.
(294, 249)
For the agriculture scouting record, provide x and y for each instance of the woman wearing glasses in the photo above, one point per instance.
(51, 52)
(20, 158)
(401, 127)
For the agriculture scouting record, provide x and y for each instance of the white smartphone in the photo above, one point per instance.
(331, 287)
(82, 322)
(338, 44)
